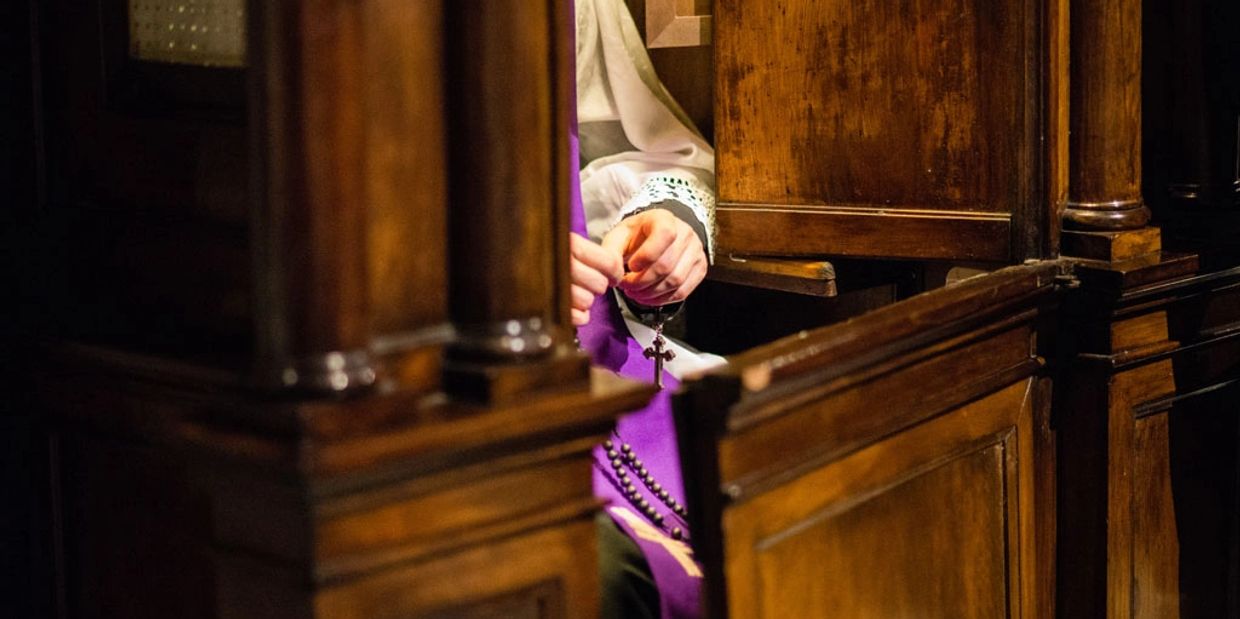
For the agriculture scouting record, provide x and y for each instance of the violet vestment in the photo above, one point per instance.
(637, 150)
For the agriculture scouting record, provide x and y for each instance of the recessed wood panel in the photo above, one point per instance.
(531, 575)
(912, 114)
(952, 513)
(922, 524)
(1185, 499)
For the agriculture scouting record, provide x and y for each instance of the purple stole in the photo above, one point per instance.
(651, 433)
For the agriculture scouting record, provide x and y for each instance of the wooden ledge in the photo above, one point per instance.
(1121, 277)
(801, 276)
(417, 432)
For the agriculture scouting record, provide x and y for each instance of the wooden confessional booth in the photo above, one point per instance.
(292, 333)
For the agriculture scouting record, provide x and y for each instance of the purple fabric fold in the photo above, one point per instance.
(651, 434)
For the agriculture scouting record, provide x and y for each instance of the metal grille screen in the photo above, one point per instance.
(196, 32)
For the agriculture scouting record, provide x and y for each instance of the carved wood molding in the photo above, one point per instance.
(677, 23)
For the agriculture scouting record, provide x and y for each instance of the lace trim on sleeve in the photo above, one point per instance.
(690, 192)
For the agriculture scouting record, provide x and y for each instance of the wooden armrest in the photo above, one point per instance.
(801, 276)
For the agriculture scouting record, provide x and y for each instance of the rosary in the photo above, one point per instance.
(624, 461)
(658, 349)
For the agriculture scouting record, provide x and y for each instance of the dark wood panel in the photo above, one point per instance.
(1185, 528)
(925, 107)
(1191, 107)
(541, 601)
(147, 172)
(134, 510)
(915, 525)
(1147, 432)
(537, 575)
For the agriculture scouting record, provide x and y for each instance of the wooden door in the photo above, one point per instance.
(881, 129)
(896, 465)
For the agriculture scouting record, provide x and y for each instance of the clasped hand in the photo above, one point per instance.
(653, 257)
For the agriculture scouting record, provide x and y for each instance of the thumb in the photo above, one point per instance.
(618, 241)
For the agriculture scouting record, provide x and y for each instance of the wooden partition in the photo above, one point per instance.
(306, 356)
(1149, 435)
(293, 333)
(887, 130)
(897, 464)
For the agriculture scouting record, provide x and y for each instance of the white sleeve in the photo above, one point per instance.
(638, 147)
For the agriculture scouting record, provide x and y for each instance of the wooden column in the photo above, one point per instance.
(1192, 108)
(309, 220)
(406, 189)
(1104, 183)
(508, 94)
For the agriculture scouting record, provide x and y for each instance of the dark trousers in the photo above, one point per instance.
(628, 590)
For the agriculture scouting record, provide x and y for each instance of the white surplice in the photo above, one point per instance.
(637, 145)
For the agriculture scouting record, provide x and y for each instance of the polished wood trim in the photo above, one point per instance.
(891, 330)
(862, 231)
(832, 425)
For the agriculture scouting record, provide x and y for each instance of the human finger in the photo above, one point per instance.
(580, 317)
(695, 277)
(672, 259)
(681, 267)
(588, 278)
(606, 261)
(617, 241)
(582, 299)
(653, 234)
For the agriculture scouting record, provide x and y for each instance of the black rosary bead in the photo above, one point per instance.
(626, 458)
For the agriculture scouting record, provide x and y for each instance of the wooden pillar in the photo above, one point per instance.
(1104, 176)
(309, 220)
(1193, 107)
(406, 190)
(509, 94)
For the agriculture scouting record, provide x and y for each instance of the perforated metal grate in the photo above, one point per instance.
(196, 32)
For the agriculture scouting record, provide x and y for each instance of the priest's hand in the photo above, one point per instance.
(665, 257)
(594, 270)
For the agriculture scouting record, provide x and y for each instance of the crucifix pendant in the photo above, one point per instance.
(659, 352)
